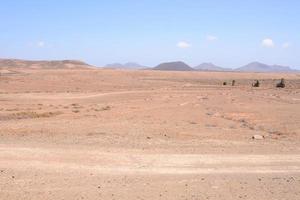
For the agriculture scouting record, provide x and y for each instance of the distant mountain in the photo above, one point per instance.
(173, 66)
(261, 67)
(114, 65)
(42, 64)
(210, 67)
(133, 65)
(129, 65)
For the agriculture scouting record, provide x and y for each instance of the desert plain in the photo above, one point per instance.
(142, 134)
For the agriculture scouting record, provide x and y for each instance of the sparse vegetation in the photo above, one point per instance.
(102, 109)
(29, 115)
(106, 108)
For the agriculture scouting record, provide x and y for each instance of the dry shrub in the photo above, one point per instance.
(29, 115)
(106, 108)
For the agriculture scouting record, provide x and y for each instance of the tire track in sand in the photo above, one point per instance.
(69, 160)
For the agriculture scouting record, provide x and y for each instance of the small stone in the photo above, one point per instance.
(258, 137)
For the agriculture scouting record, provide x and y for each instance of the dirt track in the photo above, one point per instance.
(122, 163)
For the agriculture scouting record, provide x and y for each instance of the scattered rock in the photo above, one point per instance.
(183, 104)
(258, 137)
(233, 83)
(256, 84)
(281, 84)
(210, 114)
(210, 125)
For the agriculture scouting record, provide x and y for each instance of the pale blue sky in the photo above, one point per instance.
(228, 33)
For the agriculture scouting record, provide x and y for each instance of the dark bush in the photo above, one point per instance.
(281, 84)
(256, 84)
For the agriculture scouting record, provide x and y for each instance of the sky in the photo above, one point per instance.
(227, 33)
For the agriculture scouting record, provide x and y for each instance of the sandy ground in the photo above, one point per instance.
(114, 134)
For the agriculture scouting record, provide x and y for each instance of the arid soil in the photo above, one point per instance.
(117, 134)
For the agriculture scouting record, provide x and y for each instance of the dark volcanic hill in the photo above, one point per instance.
(210, 67)
(43, 64)
(173, 66)
(261, 67)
